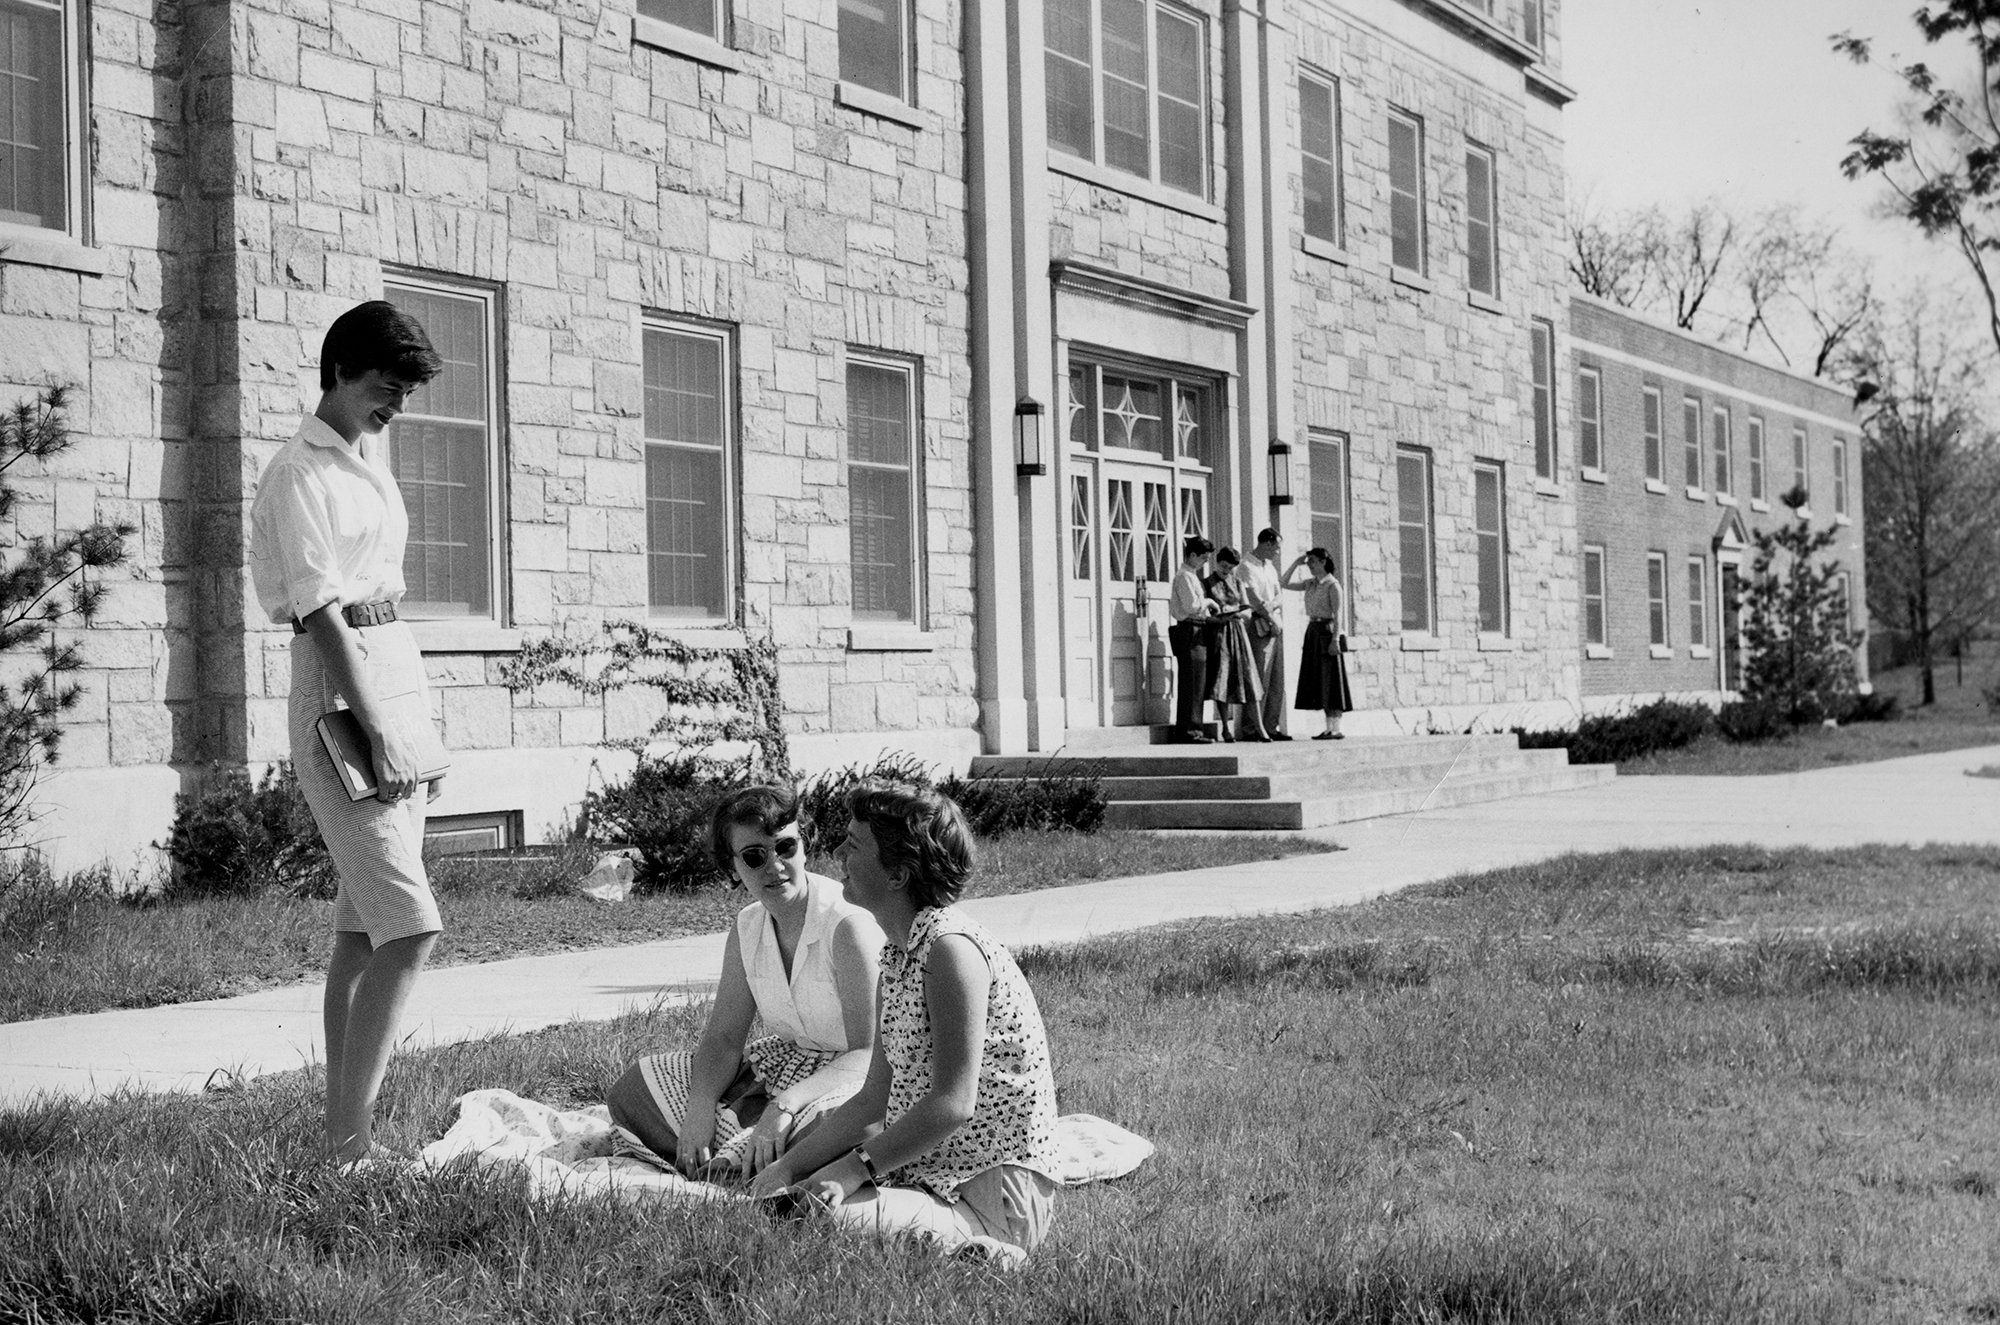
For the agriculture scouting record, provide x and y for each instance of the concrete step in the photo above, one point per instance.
(1425, 768)
(1315, 811)
(1248, 758)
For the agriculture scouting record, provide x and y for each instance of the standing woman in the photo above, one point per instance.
(1239, 687)
(327, 532)
(1322, 669)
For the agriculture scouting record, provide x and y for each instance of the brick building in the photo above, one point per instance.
(743, 302)
(1681, 449)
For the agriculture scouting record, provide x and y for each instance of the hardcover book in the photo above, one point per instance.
(354, 761)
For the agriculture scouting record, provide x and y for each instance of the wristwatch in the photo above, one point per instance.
(861, 1153)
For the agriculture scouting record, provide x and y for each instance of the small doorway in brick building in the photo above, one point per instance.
(1730, 547)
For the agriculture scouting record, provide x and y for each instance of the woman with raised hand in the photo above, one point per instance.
(952, 1140)
(801, 958)
(1322, 668)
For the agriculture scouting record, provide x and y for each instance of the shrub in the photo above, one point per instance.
(36, 905)
(1047, 802)
(1750, 720)
(1612, 738)
(1876, 707)
(236, 838)
(663, 812)
(823, 797)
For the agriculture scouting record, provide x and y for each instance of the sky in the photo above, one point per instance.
(1744, 101)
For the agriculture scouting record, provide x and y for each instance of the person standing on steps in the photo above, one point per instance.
(1234, 683)
(1189, 633)
(327, 533)
(1322, 666)
(1259, 577)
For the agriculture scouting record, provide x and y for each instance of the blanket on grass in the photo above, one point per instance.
(570, 1151)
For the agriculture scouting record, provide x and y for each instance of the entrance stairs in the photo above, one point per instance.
(1296, 784)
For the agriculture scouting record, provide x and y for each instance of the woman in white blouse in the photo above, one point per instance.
(326, 557)
(801, 959)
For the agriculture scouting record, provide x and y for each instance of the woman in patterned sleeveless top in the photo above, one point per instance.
(960, 1087)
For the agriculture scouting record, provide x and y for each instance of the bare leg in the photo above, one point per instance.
(363, 1010)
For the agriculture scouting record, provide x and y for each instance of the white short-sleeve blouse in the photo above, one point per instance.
(328, 524)
(804, 1005)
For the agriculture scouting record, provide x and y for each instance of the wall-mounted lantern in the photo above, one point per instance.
(1028, 458)
(1281, 474)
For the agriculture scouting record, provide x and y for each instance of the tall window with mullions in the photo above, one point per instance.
(884, 482)
(35, 141)
(1326, 462)
(1489, 522)
(1413, 540)
(690, 507)
(444, 450)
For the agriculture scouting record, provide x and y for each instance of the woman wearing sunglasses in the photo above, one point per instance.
(802, 958)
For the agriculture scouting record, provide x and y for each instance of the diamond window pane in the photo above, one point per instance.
(1159, 561)
(872, 50)
(1119, 528)
(1080, 527)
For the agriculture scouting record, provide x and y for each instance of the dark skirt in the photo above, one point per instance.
(1233, 666)
(1323, 673)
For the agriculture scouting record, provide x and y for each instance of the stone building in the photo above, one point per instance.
(1680, 450)
(912, 336)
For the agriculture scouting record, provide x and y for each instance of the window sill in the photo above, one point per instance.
(457, 637)
(1662, 651)
(679, 41)
(1496, 644)
(1699, 651)
(1417, 642)
(1697, 494)
(1321, 248)
(1724, 499)
(1414, 280)
(1590, 475)
(1547, 488)
(1654, 485)
(680, 631)
(1597, 651)
(890, 638)
(46, 248)
(881, 105)
(1485, 303)
(1131, 185)
(1760, 506)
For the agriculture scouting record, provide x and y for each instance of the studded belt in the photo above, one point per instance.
(378, 613)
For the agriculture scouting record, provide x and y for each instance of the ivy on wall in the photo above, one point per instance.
(712, 694)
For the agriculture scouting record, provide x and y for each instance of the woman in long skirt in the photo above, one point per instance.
(1238, 687)
(1322, 669)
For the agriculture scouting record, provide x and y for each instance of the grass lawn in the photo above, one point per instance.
(1958, 720)
(1717, 1085)
(83, 950)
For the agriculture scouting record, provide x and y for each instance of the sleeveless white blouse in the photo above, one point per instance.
(805, 1008)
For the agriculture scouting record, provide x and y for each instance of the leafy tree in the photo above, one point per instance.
(1800, 650)
(1943, 169)
(1932, 473)
(46, 582)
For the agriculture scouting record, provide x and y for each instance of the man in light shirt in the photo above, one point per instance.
(1258, 574)
(1188, 632)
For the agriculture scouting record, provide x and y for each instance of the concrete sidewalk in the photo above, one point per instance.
(1928, 798)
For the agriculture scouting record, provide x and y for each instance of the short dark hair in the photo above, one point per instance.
(1228, 556)
(1267, 535)
(765, 808)
(919, 834)
(1196, 547)
(1325, 557)
(377, 335)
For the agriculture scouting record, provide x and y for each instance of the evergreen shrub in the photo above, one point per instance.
(236, 838)
(1612, 738)
(1752, 720)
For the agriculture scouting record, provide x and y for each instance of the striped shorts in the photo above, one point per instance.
(377, 848)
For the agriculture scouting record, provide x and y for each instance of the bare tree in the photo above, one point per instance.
(1608, 253)
(1931, 470)
(1802, 292)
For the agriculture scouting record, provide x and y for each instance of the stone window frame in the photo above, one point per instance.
(1659, 605)
(490, 295)
(1332, 160)
(1590, 422)
(1426, 529)
(65, 246)
(1476, 151)
(912, 370)
(1399, 117)
(1653, 431)
(1096, 166)
(729, 539)
(1338, 447)
(715, 47)
(1542, 399)
(1496, 538)
(1596, 643)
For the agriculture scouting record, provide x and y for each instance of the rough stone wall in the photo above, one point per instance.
(1387, 363)
(536, 147)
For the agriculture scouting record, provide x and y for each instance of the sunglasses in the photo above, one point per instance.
(757, 854)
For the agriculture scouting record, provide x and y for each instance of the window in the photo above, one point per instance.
(1593, 597)
(1082, 526)
(1589, 432)
(1691, 426)
(1840, 476)
(1164, 415)
(445, 451)
(1654, 426)
(882, 480)
(1656, 597)
(1149, 61)
(1319, 153)
(1489, 522)
(1406, 191)
(1721, 441)
(1482, 222)
(875, 50)
(705, 17)
(690, 479)
(1756, 458)
(41, 168)
(1531, 23)
(1413, 530)
(1698, 601)
(1327, 460)
(1541, 363)
(1843, 602)
(1799, 475)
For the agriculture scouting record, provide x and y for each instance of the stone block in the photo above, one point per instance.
(541, 547)
(477, 717)
(851, 707)
(537, 728)
(531, 131)
(631, 712)
(140, 734)
(582, 726)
